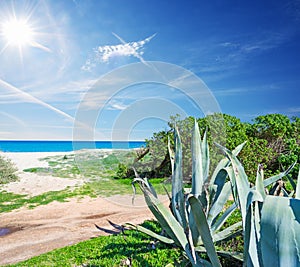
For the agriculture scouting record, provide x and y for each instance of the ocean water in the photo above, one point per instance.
(64, 146)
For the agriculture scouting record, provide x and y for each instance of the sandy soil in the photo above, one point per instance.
(36, 231)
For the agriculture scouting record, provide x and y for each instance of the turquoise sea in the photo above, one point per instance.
(64, 146)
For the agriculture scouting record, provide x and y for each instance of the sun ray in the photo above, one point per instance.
(20, 31)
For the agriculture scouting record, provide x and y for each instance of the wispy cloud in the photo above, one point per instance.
(294, 110)
(242, 49)
(32, 99)
(116, 105)
(12, 118)
(125, 49)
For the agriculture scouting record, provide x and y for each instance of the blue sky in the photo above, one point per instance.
(246, 52)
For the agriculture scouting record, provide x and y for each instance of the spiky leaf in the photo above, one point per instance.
(280, 232)
(197, 166)
(203, 228)
(178, 202)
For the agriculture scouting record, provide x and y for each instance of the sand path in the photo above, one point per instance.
(56, 225)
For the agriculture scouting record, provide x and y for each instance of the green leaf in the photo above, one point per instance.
(259, 182)
(178, 202)
(239, 179)
(203, 228)
(275, 178)
(197, 167)
(169, 223)
(205, 157)
(219, 201)
(224, 162)
(144, 230)
(220, 221)
(166, 219)
(232, 230)
(171, 154)
(280, 232)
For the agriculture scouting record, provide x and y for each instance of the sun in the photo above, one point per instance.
(17, 32)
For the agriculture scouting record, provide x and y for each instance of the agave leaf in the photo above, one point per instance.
(171, 154)
(275, 178)
(220, 221)
(280, 231)
(178, 203)
(220, 200)
(165, 218)
(143, 182)
(251, 242)
(144, 230)
(240, 179)
(197, 167)
(224, 162)
(259, 182)
(227, 254)
(205, 157)
(219, 181)
(169, 223)
(228, 232)
(235, 255)
(203, 228)
(297, 194)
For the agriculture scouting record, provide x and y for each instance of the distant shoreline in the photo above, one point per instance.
(64, 146)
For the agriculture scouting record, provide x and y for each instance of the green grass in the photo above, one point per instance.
(10, 201)
(90, 164)
(97, 168)
(104, 188)
(111, 251)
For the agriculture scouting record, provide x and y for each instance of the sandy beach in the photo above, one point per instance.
(31, 183)
(44, 228)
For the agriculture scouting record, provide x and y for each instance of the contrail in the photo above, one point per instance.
(33, 99)
(136, 46)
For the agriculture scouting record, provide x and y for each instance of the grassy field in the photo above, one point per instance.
(96, 168)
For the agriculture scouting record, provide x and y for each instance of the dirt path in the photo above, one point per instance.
(56, 225)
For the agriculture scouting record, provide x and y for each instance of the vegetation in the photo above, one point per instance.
(117, 250)
(270, 224)
(195, 219)
(7, 171)
(272, 140)
(202, 221)
(97, 169)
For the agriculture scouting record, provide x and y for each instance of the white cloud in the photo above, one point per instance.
(116, 105)
(125, 49)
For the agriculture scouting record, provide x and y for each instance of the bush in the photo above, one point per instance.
(122, 171)
(7, 171)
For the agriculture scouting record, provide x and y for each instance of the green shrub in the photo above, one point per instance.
(7, 171)
(121, 171)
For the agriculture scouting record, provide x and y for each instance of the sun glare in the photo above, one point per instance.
(17, 32)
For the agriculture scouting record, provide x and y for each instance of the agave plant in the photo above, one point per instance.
(196, 217)
(271, 224)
